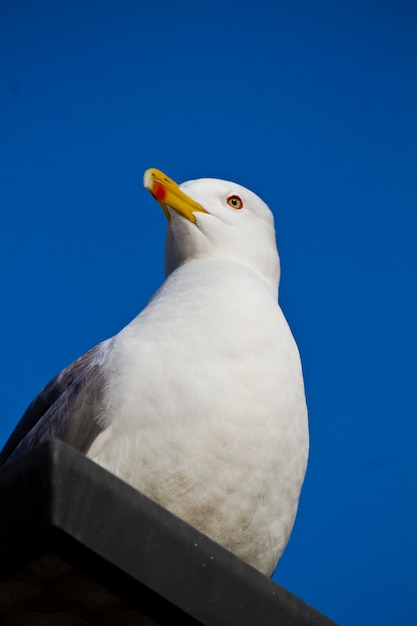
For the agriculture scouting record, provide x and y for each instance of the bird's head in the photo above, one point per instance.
(211, 218)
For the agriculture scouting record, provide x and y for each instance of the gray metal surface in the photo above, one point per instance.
(56, 504)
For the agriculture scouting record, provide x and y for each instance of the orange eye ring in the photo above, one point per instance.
(235, 202)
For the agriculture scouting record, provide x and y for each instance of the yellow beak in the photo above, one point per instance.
(167, 193)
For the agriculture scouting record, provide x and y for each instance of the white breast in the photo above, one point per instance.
(206, 411)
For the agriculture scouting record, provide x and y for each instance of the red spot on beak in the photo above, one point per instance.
(158, 191)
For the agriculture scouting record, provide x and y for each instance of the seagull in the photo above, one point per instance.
(199, 402)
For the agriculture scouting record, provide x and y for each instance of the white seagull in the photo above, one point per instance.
(199, 402)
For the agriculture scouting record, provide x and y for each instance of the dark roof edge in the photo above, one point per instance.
(55, 489)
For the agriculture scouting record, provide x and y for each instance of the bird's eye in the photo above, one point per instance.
(235, 202)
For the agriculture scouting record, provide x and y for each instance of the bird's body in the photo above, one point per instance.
(199, 401)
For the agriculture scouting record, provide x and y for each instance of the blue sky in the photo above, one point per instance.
(313, 105)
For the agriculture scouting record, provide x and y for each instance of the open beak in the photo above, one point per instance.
(168, 194)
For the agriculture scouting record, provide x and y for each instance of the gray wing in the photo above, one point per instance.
(67, 408)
